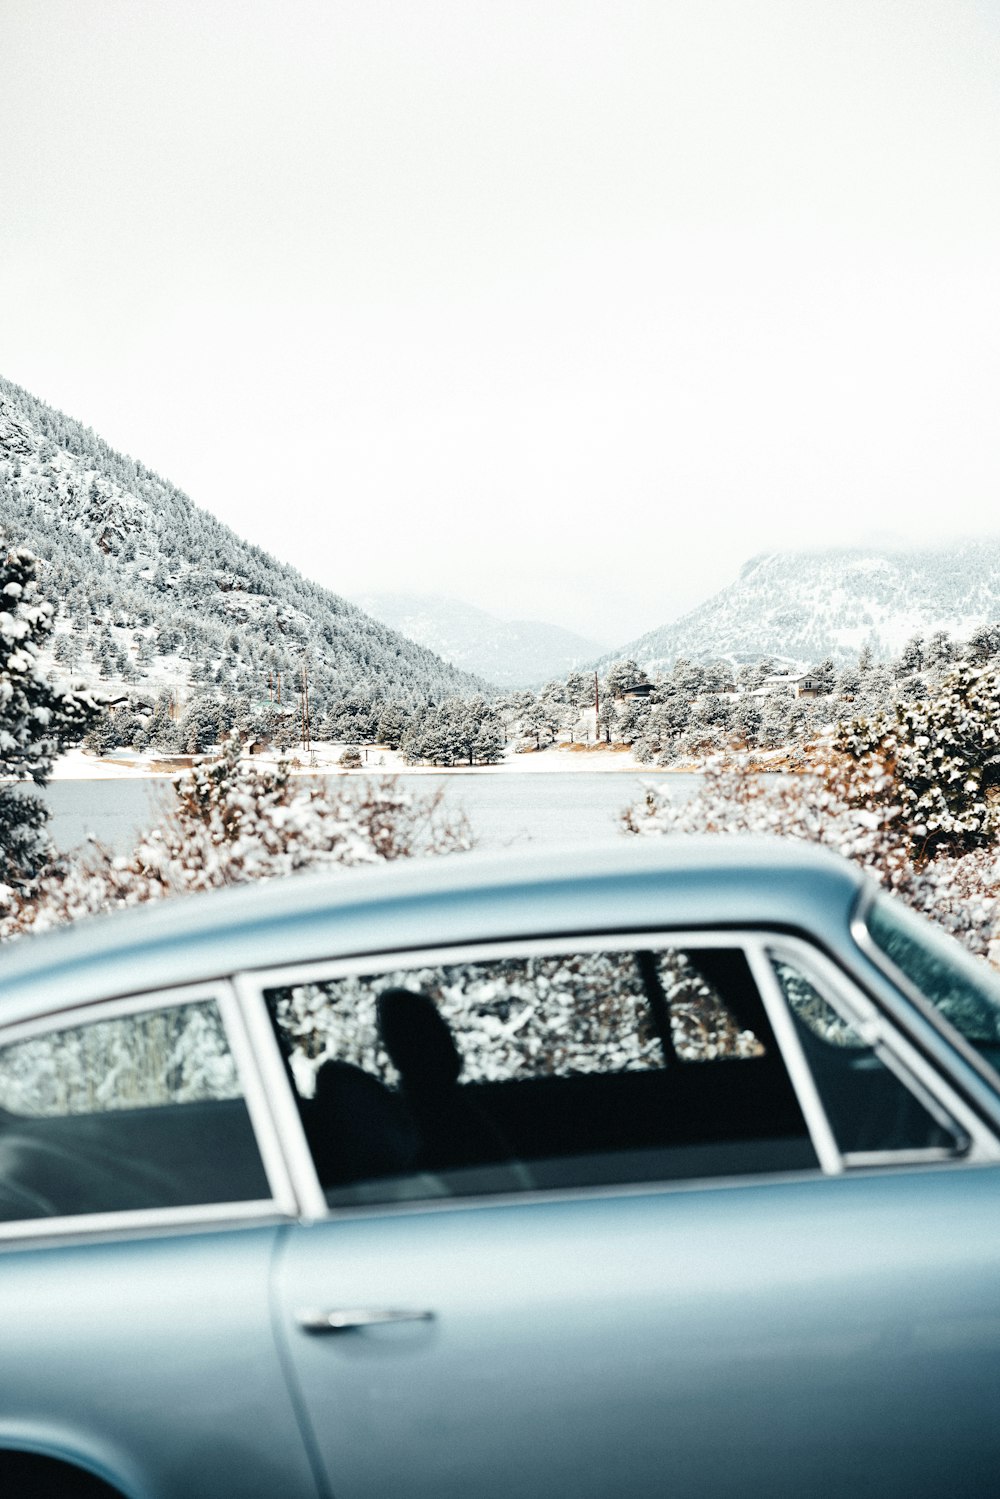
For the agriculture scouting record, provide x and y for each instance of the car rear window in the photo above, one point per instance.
(122, 1112)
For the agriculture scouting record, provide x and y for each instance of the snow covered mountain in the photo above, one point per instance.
(805, 606)
(512, 653)
(155, 592)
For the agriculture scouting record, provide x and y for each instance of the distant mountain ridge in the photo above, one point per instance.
(155, 592)
(802, 606)
(511, 653)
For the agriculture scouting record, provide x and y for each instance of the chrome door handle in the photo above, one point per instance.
(349, 1318)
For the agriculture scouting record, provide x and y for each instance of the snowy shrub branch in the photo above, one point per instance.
(229, 823)
(912, 795)
(853, 807)
(943, 756)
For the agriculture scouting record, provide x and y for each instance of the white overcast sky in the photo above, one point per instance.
(562, 308)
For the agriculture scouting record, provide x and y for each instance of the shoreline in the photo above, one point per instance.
(79, 765)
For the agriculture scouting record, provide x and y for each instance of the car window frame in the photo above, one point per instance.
(251, 986)
(281, 1205)
(931, 1088)
(983, 1092)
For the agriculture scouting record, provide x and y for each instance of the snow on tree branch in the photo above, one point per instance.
(853, 807)
(229, 823)
(37, 720)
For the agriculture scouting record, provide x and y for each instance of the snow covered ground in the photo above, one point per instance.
(79, 765)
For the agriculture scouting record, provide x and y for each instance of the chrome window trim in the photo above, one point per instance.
(558, 944)
(542, 1196)
(824, 1143)
(284, 1119)
(281, 1205)
(88, 1226)
(255, 1096)
(894, 1049)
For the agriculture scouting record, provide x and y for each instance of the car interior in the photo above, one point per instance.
(435, 1133)
(175, 1155)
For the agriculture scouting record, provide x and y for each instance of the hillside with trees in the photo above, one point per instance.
(160, 602)
(679, 717)
(807, 605)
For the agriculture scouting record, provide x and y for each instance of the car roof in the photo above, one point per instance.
(630, 884)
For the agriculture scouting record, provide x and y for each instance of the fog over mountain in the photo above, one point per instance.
(153, 590)
(802, 606)
(512, 653)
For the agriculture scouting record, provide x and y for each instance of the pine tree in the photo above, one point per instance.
(489, 744)
(941, 759)
(37, 720)
(621, 676)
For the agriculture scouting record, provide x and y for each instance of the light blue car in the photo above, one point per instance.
(657, 1171)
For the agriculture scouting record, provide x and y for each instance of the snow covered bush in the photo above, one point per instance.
(943, 757)
(37, 720)
(912, 794)
(851, 806)
(229, 823)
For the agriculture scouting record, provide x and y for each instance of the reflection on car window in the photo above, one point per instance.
(126, 1112)
(871, 1111)
(536, 1071)
(703, 1027)
(965, 990)
(513, 1018)
(814, 1012)
(176, 1055)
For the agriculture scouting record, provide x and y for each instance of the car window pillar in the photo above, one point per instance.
(799, 1071)
(281, 1120)
(257, 1096)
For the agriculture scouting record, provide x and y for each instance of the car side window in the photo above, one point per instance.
(126, 1111)
(872, 1110)
(530, 1072)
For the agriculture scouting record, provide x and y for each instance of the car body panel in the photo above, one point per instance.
(795, 1337)
(167, 1374)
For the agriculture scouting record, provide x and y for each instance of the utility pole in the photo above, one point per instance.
(597, 710)
(306, 725)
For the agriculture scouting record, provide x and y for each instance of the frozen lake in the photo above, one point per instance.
(504, 810)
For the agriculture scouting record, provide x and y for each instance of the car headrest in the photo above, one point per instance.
(357, 1127)
(418, 1040)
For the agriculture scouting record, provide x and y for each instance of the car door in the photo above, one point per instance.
(138, 1221)
(687, 1251)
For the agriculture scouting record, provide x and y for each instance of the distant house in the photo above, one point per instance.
(808, 687)
(798, 684)
(638, 690)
